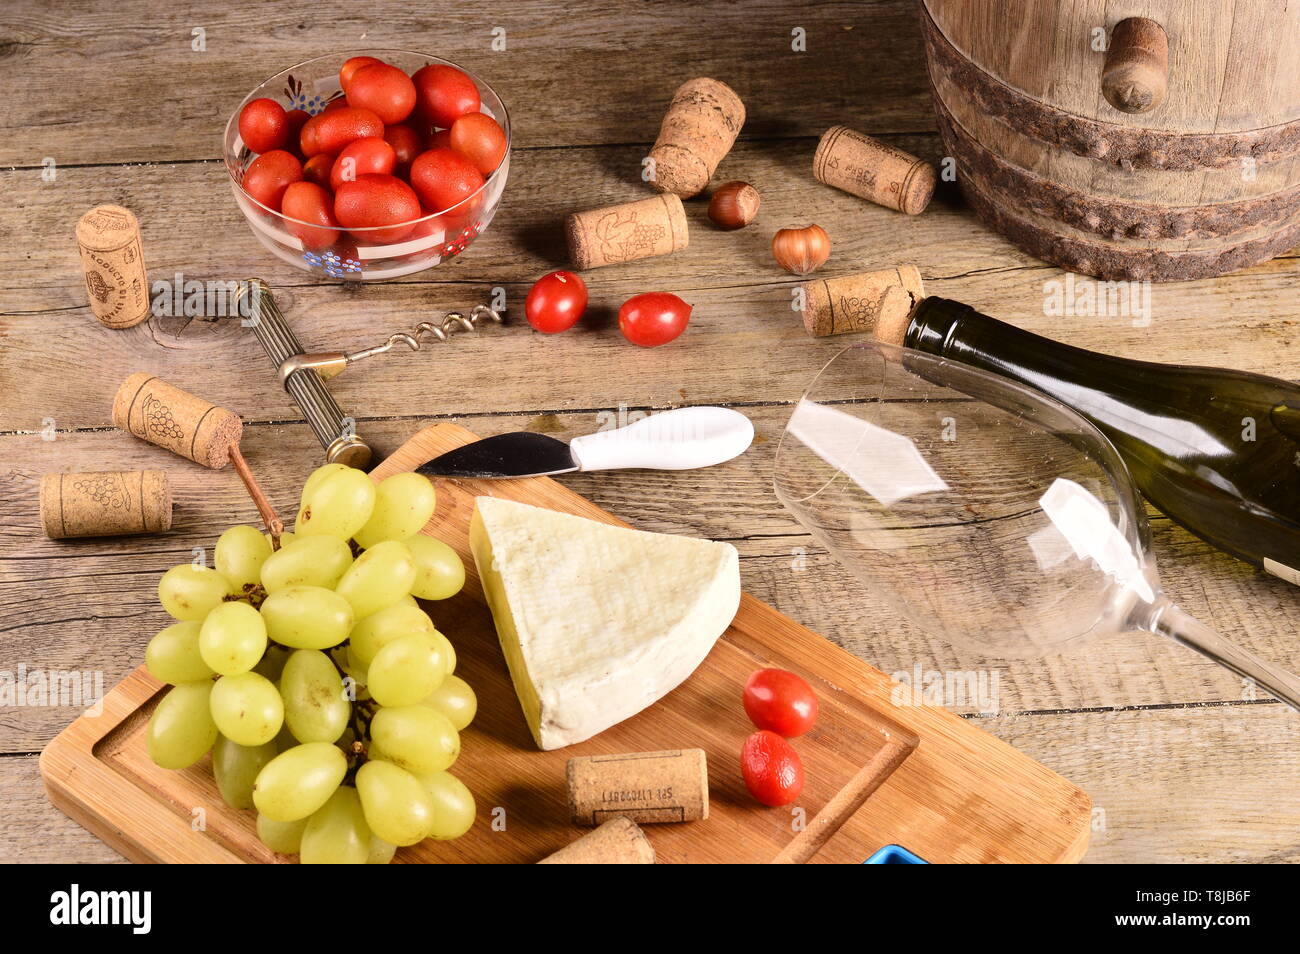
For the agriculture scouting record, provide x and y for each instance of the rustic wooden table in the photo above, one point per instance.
(114, 103)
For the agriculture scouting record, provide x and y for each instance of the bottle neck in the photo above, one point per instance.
(951, 329)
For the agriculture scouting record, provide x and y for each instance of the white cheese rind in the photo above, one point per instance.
(597, 622)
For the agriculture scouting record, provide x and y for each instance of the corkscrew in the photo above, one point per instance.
(303, 374)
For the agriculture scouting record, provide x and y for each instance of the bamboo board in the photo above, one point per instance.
(960, 795)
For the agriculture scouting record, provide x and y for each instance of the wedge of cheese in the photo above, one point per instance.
(597, 622)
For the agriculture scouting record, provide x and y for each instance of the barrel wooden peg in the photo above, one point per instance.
(1135, 76)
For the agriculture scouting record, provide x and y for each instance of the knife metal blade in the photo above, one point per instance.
(520, 454)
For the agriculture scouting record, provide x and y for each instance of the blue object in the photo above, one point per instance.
(894, 855)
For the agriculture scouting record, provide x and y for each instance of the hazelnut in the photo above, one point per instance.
(801, 251)
(734, 205)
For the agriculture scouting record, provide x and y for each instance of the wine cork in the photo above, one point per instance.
(699, 128)
(873, 170)
(163, 414)
(624, 233)
(1135, 77)
(871, 301)
(107, 504)
(617, 842)
(670, 786)
(108, 237)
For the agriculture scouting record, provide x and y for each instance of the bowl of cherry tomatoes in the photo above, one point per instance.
(370, 164)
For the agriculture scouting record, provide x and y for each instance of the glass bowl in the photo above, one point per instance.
(356, 256)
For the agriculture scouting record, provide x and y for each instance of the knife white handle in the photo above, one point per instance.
(680, 439)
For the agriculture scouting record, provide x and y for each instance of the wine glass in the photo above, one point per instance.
(983, 511)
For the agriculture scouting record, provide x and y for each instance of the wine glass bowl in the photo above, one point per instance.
(923, 477)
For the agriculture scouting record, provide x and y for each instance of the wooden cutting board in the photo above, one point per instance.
(959, 794)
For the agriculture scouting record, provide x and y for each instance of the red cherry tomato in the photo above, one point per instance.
(653, 319)
(771, 769)
(308, 202)
(294, 119)
(349, 69)
(438, 139)
(405, 142)
(481, 138)
(443, 94)
(443, 178)
(362, 156)
(384, 90)
(373, 201)
(333, 129)
(781, 702)
(270, 174)
(555, 302)
(317, 169)
(262, 125)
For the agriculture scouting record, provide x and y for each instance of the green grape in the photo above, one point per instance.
(232, 638)
(284, 837)
(297, 782)
(353, 667)
(286, 538)
(307, 617)
(381, 852)
(397, 806)
(314, 704)
(416, 738)
(337, 833)
(235, 768)
(406, 671)
(375, 631)
(456, 700)
(181, 729)
(316, 478)
(173, 655)
(239, 556)
(403, 505)
(247, 708)
(311, 561)
(453, 805)
(439, 570)
(408, 600)
(338, 506)
(271, 665)
(378, 578)
(188, 592)
(448, 650)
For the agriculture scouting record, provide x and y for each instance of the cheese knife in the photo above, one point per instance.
(680, 439)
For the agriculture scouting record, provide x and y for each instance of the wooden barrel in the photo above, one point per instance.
(1200, 179)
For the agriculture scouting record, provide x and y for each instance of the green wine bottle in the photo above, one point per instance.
(1218, 451)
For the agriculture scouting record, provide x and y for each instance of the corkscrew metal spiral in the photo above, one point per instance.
(303, 374)
(328, 364)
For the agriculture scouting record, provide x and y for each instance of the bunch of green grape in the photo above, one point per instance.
(323, 691)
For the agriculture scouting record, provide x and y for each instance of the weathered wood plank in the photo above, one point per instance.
(1182, 785)
(125, 85)
(90, 605)
(744, 342)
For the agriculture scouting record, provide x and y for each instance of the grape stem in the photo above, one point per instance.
(274, 525)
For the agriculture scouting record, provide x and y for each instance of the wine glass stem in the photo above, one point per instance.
(1168, 620)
